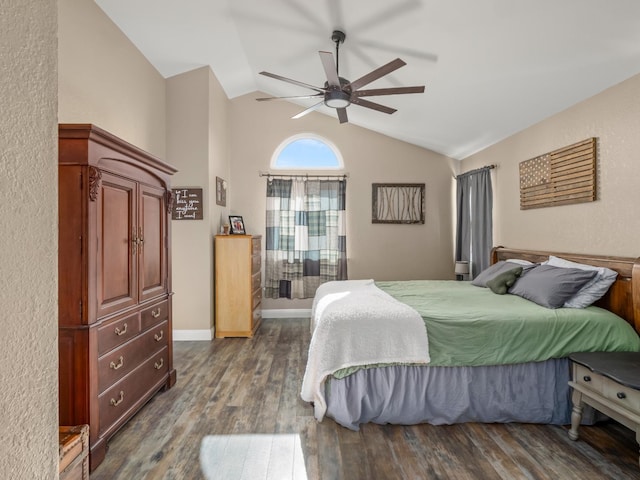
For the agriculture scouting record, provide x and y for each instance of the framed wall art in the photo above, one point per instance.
(397, 203)
(221, 192)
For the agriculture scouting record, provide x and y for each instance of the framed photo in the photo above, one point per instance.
(237, 225)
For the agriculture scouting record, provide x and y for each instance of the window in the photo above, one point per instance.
(306, 151)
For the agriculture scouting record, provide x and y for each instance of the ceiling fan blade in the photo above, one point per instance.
(387, 47)
(372, 105)
(330, 69)
(295, 82)
(374, 92)
(300, 97)
(377, 73)
(308, 110)
(342, 115)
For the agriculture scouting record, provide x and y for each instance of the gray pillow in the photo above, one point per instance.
(501, 283)
(496, 269)
(551, 286)
(592, 291)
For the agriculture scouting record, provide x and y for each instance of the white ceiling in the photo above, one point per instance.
(491, 67)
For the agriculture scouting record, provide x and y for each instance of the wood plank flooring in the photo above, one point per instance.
(251, 386)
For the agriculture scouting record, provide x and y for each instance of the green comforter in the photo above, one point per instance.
(469, 325)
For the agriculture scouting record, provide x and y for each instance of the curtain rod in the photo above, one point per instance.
(302, 175)
(489, 167)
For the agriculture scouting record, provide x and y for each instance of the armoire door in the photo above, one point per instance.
(117, 247)
(152, 251)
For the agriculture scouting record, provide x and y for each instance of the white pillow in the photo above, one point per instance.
(519, 261)
(593, 290)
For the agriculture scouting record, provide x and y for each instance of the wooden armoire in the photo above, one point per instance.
(115, 334)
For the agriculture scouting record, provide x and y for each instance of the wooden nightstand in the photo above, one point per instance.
(610, 383)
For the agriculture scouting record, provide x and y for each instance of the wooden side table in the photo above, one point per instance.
(74, 452)
(610, 383)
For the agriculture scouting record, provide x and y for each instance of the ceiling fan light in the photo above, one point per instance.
(337, 99)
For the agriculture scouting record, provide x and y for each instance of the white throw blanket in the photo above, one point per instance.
(355, 323)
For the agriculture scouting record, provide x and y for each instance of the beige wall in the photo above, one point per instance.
(29, 240)
(383, 252)
(106, 81)
(197, 146)
(607, 226)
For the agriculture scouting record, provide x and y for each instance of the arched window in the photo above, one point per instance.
(306, 151)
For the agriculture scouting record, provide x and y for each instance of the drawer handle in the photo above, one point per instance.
(159, 337)
(114, 402)
(621, 395)
(158, 365)
(115, 365)
(123, 331)
(586, 378)
(155, 314)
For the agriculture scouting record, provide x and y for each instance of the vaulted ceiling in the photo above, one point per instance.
(491, 67)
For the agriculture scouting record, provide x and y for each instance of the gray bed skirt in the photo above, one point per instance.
(408, 395)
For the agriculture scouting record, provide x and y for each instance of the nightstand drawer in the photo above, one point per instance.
(585, 377)
(621, 395)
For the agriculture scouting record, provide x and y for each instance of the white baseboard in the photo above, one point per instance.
(193, 335)
(207, 335)
(287, 313)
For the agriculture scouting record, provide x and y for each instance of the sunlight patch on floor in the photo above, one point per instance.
(252, 457)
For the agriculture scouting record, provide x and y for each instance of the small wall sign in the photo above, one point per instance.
(188, 204)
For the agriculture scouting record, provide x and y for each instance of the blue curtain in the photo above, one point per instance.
(305, 236)
(474, 224)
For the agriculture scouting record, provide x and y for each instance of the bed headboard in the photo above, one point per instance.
(623, 298)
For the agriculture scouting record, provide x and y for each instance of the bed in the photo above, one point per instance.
(489, 358)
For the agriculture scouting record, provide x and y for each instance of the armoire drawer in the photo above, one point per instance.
(118, 331)
(117, 401)
(118, 363)
(154, 314)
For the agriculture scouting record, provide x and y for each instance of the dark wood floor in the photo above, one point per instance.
(252, 386)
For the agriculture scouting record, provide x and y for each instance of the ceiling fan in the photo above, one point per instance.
(339, 92)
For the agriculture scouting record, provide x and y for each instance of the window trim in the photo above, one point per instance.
(304, 136)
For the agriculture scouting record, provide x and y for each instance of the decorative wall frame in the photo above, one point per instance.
(397, 203)
(561, 177)
(221, 192)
